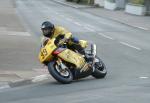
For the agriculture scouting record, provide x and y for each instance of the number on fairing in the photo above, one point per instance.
(44, 53)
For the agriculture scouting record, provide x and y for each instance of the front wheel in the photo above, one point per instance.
(100, 69)
(61, 75)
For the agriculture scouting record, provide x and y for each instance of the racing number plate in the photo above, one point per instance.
(44, 53)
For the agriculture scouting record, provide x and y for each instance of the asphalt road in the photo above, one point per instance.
(125, 51)
(18, 49)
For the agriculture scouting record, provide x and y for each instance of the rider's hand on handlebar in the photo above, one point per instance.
(61, 42)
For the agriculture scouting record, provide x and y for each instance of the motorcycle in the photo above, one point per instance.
(66, 65)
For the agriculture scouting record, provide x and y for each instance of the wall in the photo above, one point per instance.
(99, 2)
(121, 3)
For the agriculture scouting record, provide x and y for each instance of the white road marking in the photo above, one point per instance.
(70, 16)
(18, 34)
(126, 44)
(77, 23)
(62, 15)
(90, 29)
(69, 19)
(40, 78)
(89, 26)
(14, 33)
(108, 37)
(57, 13)
(144, 77)
(141, 27)
(4, 87)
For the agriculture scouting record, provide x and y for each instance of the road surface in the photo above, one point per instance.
(125, 51)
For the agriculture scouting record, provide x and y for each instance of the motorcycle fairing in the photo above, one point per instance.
(72, 57)
(46, 52)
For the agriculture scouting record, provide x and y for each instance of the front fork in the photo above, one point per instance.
(60, 63)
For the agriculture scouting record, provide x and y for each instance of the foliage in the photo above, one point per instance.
(139, 2)
(113, 1)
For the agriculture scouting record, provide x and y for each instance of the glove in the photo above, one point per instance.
(60, 40)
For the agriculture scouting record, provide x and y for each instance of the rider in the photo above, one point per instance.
(50, 31)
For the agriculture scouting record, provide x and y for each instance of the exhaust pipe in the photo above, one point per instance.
(93, 50)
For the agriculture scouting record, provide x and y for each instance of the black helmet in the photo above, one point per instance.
(47, 28)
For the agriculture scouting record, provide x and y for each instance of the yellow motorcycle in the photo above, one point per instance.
(66, 65)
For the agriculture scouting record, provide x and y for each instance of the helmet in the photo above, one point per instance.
(47, 28)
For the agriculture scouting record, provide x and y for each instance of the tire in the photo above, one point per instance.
(56, 75)
(100, 71)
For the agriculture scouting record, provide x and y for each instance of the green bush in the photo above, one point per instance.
(113, 1)
(139, 2)
(69, 0)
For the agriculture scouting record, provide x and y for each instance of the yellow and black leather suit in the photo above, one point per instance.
(73, 42)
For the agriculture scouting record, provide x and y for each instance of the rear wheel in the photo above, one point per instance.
(61, 75)
(100, 69)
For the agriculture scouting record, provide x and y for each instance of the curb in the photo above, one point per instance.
(119, 21)
(66, 4)
(23, 82)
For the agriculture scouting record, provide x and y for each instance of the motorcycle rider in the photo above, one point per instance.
(50, 31)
